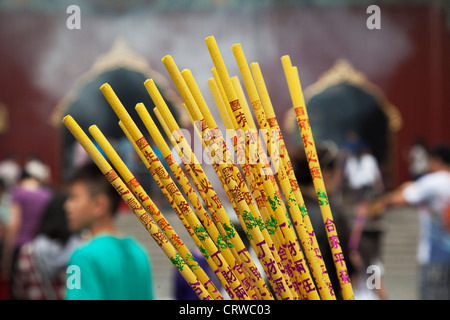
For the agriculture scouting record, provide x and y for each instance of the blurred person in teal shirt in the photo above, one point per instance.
(109, 265)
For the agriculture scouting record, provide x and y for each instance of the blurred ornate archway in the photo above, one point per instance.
(126, 72)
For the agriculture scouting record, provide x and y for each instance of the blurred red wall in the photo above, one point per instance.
(40, 60)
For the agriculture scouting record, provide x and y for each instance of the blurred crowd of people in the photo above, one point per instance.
(44, 230)
(40, 227)
(352, 178)
(359, 199)
(32, 231)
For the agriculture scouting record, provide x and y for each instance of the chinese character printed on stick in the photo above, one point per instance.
(334, 242)
(315, 172)
(303, 123)
(323, 199)
(178, 262)
(307, 140)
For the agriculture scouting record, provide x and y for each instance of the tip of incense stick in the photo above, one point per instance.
(235, 46)
(105, 86)
(286, 59)
(167, 57)
(139, 105)
(67, 118)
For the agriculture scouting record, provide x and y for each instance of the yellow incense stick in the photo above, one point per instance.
(221, 69)
(242, 100)
(295, 89)
(220, 104)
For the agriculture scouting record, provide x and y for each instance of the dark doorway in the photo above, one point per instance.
(343, 110)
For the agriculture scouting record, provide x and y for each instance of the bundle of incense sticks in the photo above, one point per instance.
(261, 186)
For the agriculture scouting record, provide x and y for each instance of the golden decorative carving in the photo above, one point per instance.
(343, 72)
